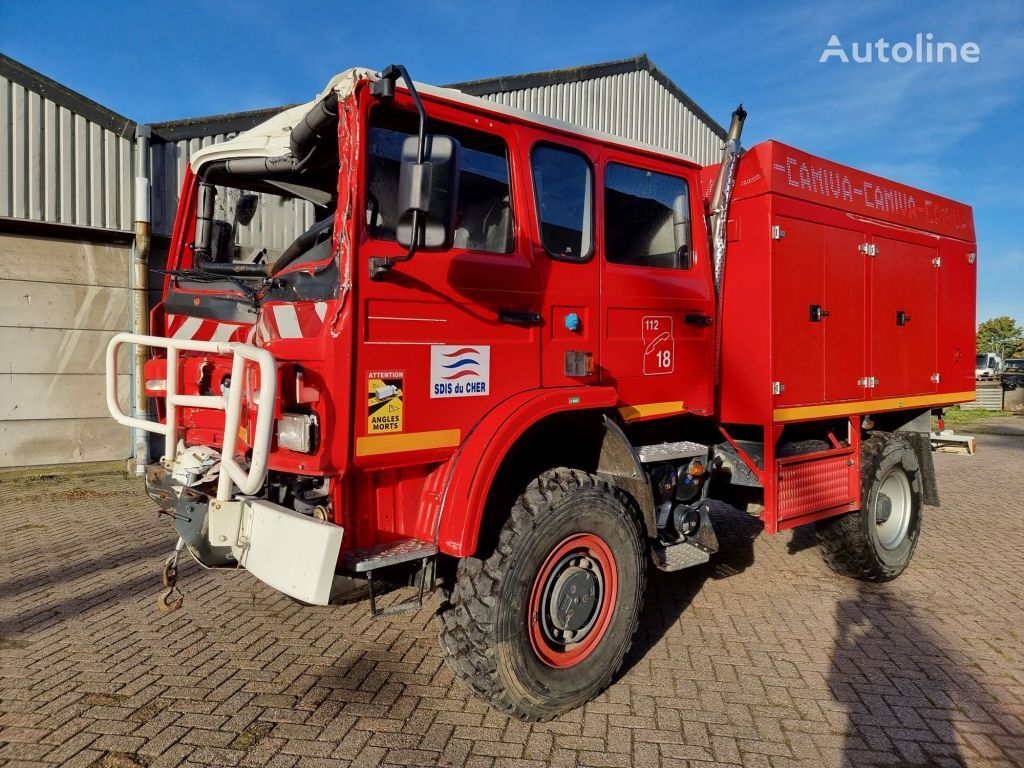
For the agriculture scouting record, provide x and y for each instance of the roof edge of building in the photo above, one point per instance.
(639, 63)
(63, 96)
(230, 122)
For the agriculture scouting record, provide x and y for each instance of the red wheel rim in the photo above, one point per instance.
(564, 627)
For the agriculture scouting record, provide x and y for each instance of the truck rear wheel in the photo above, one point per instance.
(542, 624)
(876, 542)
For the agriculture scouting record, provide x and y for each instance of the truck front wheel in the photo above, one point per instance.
(542, 624)
(877, 542)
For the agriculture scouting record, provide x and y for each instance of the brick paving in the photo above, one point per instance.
(761, 658)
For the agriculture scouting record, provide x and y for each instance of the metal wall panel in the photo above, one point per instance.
(277, 221)
(632, 105)
(61, 301)
(59, 167)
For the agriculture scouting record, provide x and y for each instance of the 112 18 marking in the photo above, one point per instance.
(659, 345)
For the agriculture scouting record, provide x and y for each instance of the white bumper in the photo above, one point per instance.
(290, 552)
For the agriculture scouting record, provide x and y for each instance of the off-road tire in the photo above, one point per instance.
(849, 543)
(484, 631)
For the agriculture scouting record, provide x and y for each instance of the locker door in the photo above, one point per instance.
(845, 359)
(903, 307)
(920, 307)
(797, 285)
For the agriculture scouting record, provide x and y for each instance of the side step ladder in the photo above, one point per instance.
(369, 559)
(684, 449)
(676, 557)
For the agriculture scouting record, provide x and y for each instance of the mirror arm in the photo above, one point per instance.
(380, 265)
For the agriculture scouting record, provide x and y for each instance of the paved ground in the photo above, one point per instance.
(765, 659)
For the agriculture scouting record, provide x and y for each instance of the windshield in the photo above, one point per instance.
(262, 246)
(981, 360)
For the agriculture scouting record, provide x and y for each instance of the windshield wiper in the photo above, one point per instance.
(203, 276)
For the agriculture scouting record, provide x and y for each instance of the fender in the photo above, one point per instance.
(471, 470)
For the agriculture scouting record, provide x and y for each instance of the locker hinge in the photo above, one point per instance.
(868, 249)
(778, 387)
(937, 261)
(936, 378)
(868, 382)
(778, 232)
(971, 257)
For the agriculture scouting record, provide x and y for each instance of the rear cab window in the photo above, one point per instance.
(646, 218)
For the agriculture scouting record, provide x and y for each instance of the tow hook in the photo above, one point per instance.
(170, 600)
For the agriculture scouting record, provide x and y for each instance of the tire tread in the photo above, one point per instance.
(467, 619)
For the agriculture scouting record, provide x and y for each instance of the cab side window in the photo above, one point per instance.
(564, 186)
(646, 218)
(484, 217)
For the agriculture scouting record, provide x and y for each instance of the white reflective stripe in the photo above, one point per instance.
(321, 309)
(223, 332)
(188, 328)
(287, 321)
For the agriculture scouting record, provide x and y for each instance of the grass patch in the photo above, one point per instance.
(252, 735)
(957, 418)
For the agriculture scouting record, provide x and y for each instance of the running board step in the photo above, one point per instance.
(676, 557)
(670, 451)
(391, 553)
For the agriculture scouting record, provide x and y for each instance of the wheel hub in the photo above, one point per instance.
(893, 509)
(571, 600)
(883, 509)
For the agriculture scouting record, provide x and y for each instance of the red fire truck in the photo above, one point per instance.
(523, 360)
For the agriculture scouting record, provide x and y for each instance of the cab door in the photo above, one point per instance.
(562, 174)
(436, 349)
(656, 301)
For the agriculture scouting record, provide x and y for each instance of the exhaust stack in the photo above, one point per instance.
(719, 212)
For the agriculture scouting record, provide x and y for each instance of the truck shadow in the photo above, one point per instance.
(669, 595)
(901, 687)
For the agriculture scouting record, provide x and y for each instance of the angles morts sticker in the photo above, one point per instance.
(385, 406)
(460, 371)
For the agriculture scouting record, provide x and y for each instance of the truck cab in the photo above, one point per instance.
(987, 365)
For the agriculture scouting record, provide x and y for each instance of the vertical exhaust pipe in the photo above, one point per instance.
(140, 295)
(719, 212)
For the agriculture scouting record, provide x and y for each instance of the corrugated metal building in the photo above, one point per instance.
(631, 98)
(65, 237)
(67, 189)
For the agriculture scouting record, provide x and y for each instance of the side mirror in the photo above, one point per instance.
(245, 209)
(428, 191)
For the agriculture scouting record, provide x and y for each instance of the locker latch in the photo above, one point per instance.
(778, 232)
(868, 249)
(778, 387)
(936, 378)
(902, 318)
(868, 382)
(817, 313)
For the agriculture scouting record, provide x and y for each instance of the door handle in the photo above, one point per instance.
(696, 318)
(518, 317)
(902, 318)
(817, 313)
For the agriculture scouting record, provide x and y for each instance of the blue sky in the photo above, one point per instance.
(952, 129)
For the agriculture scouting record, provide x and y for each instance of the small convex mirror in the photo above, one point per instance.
(245, 209)
(431, 188)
